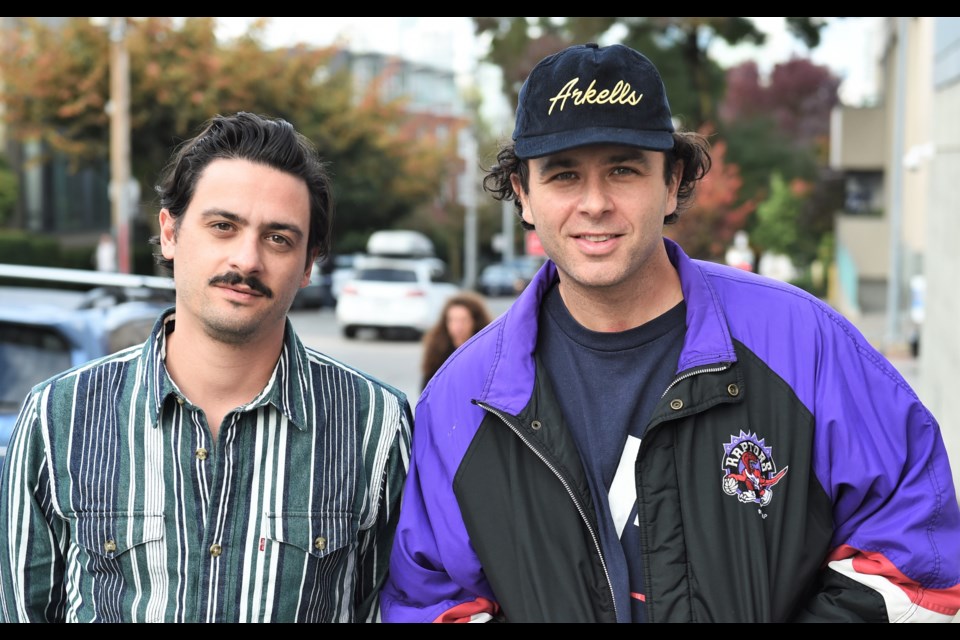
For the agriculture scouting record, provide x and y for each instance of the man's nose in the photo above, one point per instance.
(595, 200)
(246, 256)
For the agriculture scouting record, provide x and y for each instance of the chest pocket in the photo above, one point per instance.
(317, 534)
(110, 535)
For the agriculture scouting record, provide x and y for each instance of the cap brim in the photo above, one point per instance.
(538, 146)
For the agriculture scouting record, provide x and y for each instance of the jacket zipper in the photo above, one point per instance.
(570, 492)
(680, 378)
(693, 372)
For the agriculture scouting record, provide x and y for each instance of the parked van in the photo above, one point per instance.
(400, 243)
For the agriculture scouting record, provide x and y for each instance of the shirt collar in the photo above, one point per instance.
(289, 388)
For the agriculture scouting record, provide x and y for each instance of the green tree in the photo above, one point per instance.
(782, 125)
(784, 223)
(776, 229)
(759, 147)
(8, 191)
(782, 122)
(780, 222)
(56, 89)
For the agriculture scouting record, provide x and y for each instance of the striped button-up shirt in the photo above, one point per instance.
(116, 503)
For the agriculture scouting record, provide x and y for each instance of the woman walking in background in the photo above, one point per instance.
(463, 315)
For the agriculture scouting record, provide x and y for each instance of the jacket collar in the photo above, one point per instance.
(707, 340)
(288, 385)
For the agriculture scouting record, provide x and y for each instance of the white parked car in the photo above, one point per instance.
(343, 270)
(400, 295)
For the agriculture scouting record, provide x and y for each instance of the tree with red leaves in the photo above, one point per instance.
(707, 228)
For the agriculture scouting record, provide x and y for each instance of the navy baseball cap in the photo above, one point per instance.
(588, 94)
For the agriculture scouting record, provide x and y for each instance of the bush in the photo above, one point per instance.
(8, 191)
(19, 247)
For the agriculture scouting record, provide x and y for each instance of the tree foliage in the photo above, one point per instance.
(777, 217)
(56, 89)
(798, 99)
(707, 228)
(783, 123)
(778, 132)
(8, 191)
(791, 220)
(678, 46)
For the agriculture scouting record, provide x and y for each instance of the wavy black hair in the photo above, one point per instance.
(246, 136)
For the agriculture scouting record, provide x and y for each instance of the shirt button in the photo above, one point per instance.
(676, 404)
(201, 454)
(733, 390)
(216, 550)
(180, 400)
(320, 543)
(110, 546)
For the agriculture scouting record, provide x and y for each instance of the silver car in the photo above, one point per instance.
(46, 331)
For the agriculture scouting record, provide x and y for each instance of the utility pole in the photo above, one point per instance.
(508, 219)
(467, 147)
(119, 112)
(893, 334)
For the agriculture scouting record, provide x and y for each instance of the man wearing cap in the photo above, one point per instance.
(647, 437)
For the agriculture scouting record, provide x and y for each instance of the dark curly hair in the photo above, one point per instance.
(245, 136)
(690, 149)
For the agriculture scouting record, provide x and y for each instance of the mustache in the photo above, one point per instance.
(233, 279)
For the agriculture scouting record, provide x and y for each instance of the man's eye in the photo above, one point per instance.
(565, 175)
(222, 226)
(278, 239)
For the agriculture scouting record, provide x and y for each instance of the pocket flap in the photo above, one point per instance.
(318, 534)
(112, 534)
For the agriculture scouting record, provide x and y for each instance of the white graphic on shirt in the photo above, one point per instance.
(623, 490)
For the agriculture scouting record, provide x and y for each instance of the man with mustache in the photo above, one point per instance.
(222, 471)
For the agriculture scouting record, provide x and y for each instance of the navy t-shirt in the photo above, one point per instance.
(607, 385)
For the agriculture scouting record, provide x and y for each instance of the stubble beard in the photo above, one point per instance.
(231, 331)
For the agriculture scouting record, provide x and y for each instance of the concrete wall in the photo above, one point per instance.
(858, 138)
(940, 338)
(866, 239)
(917, 139)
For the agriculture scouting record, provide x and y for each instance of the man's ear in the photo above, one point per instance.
(521, 197)
(311, 265)
(674, 187)
(168, 233)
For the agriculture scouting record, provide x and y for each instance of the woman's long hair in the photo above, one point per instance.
(437, 343)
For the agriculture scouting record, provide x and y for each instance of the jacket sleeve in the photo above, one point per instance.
(880, 456)
(31, 534)
(434, 574)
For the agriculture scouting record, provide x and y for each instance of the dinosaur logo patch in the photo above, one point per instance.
(749, 471)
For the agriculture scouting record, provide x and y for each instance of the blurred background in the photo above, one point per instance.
(835, 154)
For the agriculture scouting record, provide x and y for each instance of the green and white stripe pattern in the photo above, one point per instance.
(117, 506)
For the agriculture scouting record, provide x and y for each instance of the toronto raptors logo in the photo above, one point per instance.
(749, 471)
